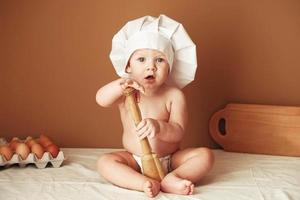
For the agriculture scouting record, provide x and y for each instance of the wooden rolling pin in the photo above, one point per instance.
(151, 165)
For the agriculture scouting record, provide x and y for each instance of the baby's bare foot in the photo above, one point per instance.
(151, 188)
(176, 185)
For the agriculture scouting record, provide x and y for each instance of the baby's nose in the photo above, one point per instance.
(151, 67)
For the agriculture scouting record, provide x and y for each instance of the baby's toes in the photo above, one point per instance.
(191, 189)
(147, 186)
(187, 183)
(151, 189)
(188, 186)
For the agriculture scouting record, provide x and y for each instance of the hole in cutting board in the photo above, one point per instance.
(222, 126)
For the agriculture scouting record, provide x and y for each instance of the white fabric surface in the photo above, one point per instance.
(235, 176)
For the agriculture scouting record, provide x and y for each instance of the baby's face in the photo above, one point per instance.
(149, 67)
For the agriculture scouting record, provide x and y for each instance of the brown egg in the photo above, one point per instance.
(28, 138)
(15, 138)
(30, 141)
(6, 151)
(38, 150)
(44, 141)
(53, 150)
(23, 150)
(14, 142)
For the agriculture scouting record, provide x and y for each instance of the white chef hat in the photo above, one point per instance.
(163, 34)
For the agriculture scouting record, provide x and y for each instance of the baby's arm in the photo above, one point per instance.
(174, 129)
(110, 94)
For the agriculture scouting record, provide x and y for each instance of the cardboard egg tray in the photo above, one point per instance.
(32, 159)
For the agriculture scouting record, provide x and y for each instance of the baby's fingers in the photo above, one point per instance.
(144, 132)
(140, 125)
(142, 89)
(124, 85)
(129, 82)
(137, 86)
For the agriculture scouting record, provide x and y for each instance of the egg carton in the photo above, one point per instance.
(32, 159)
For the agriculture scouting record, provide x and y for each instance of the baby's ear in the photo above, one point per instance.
(169, 69)
(128, 69)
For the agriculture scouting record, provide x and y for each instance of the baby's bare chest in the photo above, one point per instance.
(156, 109)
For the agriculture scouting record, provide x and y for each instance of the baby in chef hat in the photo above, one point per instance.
(156, 57)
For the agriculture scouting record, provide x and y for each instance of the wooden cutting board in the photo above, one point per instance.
(261, 129)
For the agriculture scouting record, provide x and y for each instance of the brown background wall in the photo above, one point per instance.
(54, 57)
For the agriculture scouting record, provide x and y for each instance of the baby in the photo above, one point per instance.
(156, 57)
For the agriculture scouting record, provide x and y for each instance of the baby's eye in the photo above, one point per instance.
(141, 59)
(160, 60)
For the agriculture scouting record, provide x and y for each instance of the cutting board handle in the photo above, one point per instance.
(217, 126)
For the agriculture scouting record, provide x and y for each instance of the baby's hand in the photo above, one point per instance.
(132, 83)
(147, 128)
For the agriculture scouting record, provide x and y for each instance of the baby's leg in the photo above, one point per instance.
(121, 169)
(189, 165)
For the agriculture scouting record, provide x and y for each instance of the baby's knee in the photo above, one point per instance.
(104, 161)
(206, 155)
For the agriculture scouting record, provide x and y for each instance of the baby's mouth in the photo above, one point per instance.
(150, 77)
